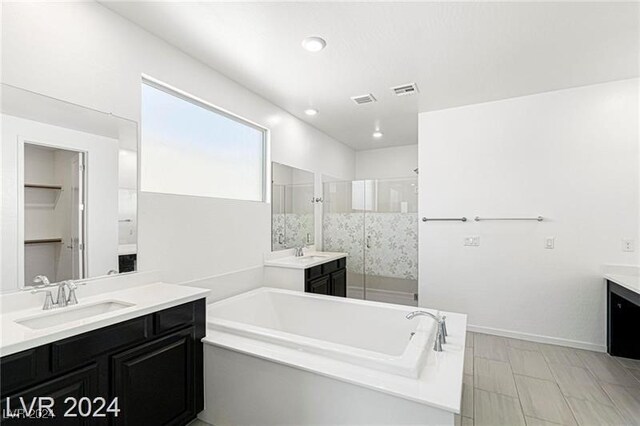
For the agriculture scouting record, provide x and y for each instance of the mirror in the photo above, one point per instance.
(71, 175)
(292, 207)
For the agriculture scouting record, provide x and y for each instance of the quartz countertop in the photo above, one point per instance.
(630, 282)
(144, 299)
(310, 259)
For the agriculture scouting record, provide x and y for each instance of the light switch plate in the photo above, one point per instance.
(550, 242)
(628, 244)
(472, 241)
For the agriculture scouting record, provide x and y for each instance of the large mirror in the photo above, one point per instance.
(292, 207)
(70, 185)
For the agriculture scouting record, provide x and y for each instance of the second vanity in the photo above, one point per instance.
(313, 272)
(144, 352)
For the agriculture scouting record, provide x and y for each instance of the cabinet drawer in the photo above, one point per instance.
(174, 317)
(334, 265)
(75, 350)
(313, 272)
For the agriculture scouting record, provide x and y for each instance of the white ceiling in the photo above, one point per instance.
(457, 53)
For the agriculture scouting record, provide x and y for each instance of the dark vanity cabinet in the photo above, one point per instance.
(328, 278)
(152, 364)
(623, 321)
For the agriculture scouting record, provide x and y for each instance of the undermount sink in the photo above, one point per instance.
(309, 259)
(60, 316)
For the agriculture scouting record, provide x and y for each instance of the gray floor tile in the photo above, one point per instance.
(529, 363)
(462, 421)
(494, 376)
(198, 422)
(469, 339)
(561, 355)
(606, 369)
(578, 383)
(467, 396)
(626, 400)
(542, 399)
(490, 347)
(532, 421)
(628, 363)
(635, 373)
(523, 344)
(493, 409)
(468, 360)
(590, 413)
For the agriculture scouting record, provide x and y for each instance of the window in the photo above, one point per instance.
(191, 148)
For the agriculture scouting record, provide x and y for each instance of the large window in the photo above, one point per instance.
(191, 148)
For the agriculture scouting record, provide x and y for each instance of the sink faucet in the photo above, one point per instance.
(298, 251)
(62, 298)
(441, 332)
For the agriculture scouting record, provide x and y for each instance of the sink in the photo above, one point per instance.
(60, 316)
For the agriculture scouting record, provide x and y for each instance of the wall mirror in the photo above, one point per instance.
(70, 184)
(292, 207)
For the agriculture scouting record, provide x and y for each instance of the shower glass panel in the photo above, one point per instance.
(376, 222)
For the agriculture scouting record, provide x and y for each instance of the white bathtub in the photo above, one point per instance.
(330, 360)
(376, 336)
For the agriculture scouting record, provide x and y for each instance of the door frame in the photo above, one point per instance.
(20, 221)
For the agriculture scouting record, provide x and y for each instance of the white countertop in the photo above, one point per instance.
(310, 259)
(145, 299)
(630, 282)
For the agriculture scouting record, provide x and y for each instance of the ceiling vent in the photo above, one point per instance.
(363, 99)
(405, 89)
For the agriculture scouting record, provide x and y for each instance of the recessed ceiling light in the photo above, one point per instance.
(311, 112)
(314, 43)
(377, 134)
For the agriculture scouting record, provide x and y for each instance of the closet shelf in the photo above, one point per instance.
(43, 241)
(42, 186)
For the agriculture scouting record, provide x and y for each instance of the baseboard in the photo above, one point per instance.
(537, 338)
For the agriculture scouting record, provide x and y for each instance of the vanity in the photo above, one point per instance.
(128, 357)
(313, 272)
(623, 315)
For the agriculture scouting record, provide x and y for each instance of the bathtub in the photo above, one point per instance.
(376, 336)
(329, 360)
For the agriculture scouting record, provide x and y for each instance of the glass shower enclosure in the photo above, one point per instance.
(376, 223)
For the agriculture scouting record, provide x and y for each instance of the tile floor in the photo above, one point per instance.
(511, 382)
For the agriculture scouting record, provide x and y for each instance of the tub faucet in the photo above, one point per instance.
(441, 331)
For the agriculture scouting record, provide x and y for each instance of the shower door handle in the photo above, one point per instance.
(368, 243)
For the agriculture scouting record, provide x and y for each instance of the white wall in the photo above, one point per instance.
(383, 163)
(86, 54)
(570, 156)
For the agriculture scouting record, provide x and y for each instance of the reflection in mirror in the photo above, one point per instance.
(292, 207)
(76, 198)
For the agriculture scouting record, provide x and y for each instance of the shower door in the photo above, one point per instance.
(376, 223)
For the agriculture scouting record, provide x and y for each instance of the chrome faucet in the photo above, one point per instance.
(62, 299)
(441, 331)
(298, 251)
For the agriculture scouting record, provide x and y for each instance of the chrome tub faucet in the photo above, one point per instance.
(441, 332)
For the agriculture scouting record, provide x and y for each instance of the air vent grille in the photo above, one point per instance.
(405, 89)
(364, 99)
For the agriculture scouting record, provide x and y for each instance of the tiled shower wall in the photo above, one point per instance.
(392, 239)
(291, 230)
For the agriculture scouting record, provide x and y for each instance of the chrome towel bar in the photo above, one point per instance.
(446, 219)
(478, 218)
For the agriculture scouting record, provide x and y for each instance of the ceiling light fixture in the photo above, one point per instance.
(311, 112)
(377, 134)
(314, 44)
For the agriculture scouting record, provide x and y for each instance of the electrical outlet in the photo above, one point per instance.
(550, 242)
(627, 244)
(472, 241)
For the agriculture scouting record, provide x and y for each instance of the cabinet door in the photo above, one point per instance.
(77, 384)
(339, 283)
(155, 382)
(320, 285)
(623, 328)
